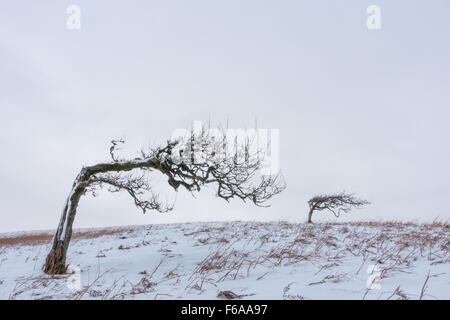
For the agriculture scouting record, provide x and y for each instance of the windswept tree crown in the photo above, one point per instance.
(190, 162)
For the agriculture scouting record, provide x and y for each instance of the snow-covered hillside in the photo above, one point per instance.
(247, 260)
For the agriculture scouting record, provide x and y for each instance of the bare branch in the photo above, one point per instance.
(135, 186)
(335, 203)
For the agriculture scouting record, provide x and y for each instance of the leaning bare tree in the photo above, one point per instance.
(335, 203)
(190, 163)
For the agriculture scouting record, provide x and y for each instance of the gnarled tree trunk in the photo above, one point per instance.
(55, 262)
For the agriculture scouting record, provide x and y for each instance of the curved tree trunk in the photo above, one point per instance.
(55, 262)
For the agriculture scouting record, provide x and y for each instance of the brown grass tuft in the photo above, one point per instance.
(43, 238)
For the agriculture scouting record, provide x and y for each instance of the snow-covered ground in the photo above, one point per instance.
(247, 260)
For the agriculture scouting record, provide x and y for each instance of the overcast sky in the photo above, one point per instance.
(360, 110)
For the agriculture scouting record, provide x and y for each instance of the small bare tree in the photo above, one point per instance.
(190, 163)
(336, 203)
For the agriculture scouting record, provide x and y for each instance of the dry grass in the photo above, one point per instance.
(392, 246)
(34, 239)
(43, 238)
(237, 250)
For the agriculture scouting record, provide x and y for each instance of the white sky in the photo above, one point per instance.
(358, 110)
